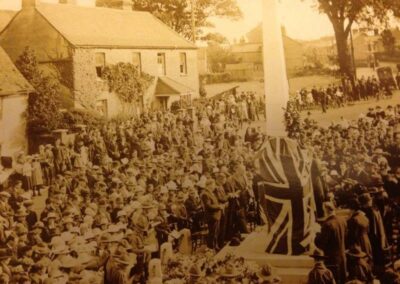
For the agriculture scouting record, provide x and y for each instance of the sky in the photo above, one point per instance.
(300, 19)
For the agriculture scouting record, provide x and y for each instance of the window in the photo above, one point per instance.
(183, 65)
(100, 61)
(137, 61)
(101, 107)
(161, 63)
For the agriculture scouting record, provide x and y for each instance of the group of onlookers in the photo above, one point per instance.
(357, 193)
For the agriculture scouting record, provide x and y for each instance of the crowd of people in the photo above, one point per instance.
(116, 194)
(238, 109)
(338, 95)
(119, 196)
(357, 193)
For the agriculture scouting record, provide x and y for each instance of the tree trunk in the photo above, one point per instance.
(343, 50)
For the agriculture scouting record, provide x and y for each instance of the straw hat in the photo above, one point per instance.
(267, 276)
(356, 252)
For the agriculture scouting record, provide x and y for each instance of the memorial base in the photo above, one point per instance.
(292, 269)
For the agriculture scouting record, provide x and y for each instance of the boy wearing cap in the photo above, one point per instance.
(320, 274)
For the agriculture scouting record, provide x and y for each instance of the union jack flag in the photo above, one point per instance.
(286, 196)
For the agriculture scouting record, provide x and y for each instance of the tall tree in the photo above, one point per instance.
(344, 13)
(388, 41)
(177, 13)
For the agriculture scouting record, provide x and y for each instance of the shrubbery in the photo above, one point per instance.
(292, 120)
(81, 116)
(43, 108)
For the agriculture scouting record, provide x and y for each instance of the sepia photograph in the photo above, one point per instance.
(199, 141)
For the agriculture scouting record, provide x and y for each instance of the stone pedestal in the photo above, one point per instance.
(292, 269)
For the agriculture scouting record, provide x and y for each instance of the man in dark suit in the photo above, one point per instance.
(358, 228)
(213, 211)
(376, 233)
(331, 240)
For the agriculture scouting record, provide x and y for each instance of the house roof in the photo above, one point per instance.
(105, 27)
(5, 18)
(217, 90)
(11, 80)
(167, 87)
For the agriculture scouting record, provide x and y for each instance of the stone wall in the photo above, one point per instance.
(13, 124)
(89, 89)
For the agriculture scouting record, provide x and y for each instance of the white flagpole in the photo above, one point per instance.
(275, 77)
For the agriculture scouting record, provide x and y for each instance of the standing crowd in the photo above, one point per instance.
(123, 195)
(338, 95)
(356, 172)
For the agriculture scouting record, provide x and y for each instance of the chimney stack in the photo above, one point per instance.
(126, 5)
(122, 4)
(29, 3)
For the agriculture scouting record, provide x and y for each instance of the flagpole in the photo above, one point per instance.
(276, 84)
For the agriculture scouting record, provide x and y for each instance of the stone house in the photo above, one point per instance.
(250, 57)
(75, 43)
(14, 91)
(365, 49)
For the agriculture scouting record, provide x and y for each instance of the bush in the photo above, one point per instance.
(80, 116)
(216, 78)
(42, 114)
(292, 120)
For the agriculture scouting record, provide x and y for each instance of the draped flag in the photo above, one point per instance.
(286, 196)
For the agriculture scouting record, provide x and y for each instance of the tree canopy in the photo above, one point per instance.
(344, 13)
(177, 13)
(389, 41)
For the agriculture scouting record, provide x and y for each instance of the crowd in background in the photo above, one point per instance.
(238, 109)
(338, 95)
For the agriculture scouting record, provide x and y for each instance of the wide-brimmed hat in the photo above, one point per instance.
(267, 276)
(356, 252)
(195, 271)
(318, 254)
(41, 248)
(108, 238)
(60, 248)
(69, 262)
(51, 215)
(5, 194)
(229, 272)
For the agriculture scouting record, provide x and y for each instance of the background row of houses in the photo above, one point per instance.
(367, 46)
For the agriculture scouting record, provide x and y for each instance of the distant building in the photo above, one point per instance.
(323, 48)
(250, 55)
(365, 49)
(14, 91)
(77, 42)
